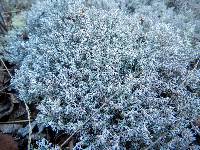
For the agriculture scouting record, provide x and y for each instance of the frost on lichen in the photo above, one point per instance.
(80, 55)
(43, 144)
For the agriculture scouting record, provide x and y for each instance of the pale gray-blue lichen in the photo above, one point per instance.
(78, 54)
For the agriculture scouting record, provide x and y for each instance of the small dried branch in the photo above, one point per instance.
(30, 128)
(15, 11)
(2, 18)
(6, 67)
(2, 29)
(15, 122)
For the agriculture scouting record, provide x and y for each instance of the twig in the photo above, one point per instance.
(30, 128)
(4, 82)
(2, 18)
(6, 67)
(3, 27)
(14, 122)
(14, 11)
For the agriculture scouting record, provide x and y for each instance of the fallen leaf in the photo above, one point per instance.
(7, 142)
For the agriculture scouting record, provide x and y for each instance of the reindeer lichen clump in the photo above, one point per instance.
(129, 66)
